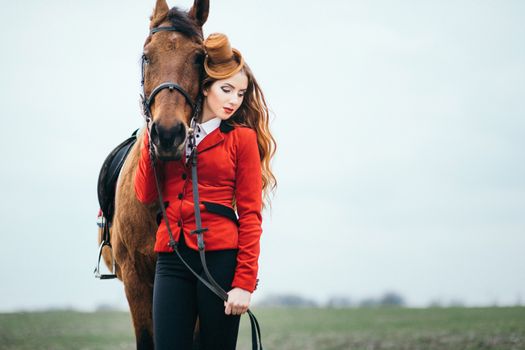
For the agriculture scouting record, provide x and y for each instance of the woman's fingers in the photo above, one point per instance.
(234, 309)
(238, 302)
(227, 308)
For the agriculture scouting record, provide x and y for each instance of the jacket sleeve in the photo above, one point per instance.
(145, 187)
(248, 195)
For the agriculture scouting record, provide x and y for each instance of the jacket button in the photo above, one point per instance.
(180, 196)
(184, 176)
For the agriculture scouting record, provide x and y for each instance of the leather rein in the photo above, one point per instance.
(147, 102)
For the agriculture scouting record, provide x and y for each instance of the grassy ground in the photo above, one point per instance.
(283, 329)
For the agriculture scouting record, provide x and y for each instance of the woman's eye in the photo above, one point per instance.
(226, 90)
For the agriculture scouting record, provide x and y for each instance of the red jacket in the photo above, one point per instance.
(228, 166)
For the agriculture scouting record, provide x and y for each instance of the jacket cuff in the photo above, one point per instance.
(246, 285)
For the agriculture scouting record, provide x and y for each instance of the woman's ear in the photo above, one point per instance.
(205, 92)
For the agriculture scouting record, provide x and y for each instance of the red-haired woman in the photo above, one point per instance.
(234, 148)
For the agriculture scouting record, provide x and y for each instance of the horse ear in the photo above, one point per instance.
(199, 11)
(159, 13)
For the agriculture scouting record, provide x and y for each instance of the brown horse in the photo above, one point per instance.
(173, 55)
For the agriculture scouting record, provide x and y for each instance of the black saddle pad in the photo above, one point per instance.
(107, 178)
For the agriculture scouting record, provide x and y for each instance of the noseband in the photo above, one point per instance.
(148, 101)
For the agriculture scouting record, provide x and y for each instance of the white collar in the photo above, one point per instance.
(210, 125)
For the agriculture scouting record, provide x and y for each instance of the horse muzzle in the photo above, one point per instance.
(168, 142)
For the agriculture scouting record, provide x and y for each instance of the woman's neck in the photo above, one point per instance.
(207, 114)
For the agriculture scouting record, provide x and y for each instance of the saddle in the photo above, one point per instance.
(107, 183)
(108, 176)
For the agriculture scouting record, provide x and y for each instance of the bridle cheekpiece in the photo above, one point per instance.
(148, 101)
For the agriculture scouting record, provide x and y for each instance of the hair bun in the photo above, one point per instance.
(222, 61)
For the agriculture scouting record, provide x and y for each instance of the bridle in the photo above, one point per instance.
(148, 101)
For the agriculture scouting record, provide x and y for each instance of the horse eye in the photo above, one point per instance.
(145, 58)
(199, 59)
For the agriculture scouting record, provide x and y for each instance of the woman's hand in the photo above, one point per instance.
(238, 301)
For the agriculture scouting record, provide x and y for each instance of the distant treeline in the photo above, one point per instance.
(391, 299)
(388, 299)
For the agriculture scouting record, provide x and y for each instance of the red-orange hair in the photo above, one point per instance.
(254, 114)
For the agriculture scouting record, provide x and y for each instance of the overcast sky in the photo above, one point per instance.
(400, 129)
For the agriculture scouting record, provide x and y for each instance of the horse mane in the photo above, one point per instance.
(185, 25)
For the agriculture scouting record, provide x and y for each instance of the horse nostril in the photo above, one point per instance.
(154, 133)
(168, 136)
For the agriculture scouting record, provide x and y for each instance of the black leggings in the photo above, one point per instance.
(178, 297)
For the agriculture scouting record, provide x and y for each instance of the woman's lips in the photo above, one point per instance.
(228, 110)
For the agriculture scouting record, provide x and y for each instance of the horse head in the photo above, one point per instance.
(171, 74)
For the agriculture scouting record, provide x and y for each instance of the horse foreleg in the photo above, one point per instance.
(139, 292)
(196, 336)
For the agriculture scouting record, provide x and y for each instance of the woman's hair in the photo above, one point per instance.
(254, 114)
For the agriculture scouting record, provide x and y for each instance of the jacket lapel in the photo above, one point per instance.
(211, 140)
(215, 137)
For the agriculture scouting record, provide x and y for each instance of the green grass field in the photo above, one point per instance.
(295, 328)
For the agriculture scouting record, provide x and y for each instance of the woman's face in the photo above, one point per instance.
(224, 97)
